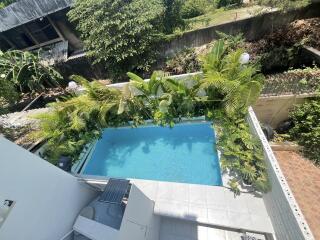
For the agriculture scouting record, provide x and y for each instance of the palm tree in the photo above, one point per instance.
(225, 76)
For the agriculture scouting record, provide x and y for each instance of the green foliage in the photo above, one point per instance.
(232, 42)
(4, 3)
(124, 35)
(194, 8)
(279, 58)
(238, 84)
(172, 17)
(306, 130)
(8, 93)
(242, 155)
(226, 3)
(25, 71)
(223, 93)
(284, 5)
(185, 61)
(119, 33)
(78, 120)
(295, 81)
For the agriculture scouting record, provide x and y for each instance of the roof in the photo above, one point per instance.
(25, 11)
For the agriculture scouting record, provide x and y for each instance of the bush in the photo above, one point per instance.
(226, 3)
(194, 8)
(306, 130)
(184, 62)
(8, 94)
(27, 72)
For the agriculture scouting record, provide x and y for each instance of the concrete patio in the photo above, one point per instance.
(213, 205)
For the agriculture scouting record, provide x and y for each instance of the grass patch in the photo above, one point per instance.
(222, 15)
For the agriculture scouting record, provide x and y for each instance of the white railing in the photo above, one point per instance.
(285, 214)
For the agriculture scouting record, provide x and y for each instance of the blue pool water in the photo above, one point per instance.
(185, 153)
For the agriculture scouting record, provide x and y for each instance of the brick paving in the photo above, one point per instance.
(304, 180)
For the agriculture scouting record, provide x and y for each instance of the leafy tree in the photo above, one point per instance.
(119, 33)
(26, 71)
(172, 17)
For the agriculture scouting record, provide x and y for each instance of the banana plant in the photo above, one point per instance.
(27, 72)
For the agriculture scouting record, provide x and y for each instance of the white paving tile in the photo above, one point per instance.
(218, 217)
(197, 194)
(165, 192)
(207, 204)
(197, 212)
(174, 229)
(181, 192)
(237, 219)
(261, 223)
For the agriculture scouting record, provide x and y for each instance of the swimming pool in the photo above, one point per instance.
(185, 153)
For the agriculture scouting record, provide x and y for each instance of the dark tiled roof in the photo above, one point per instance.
(24, 11)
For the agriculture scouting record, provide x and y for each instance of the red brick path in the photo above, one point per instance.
(304, 180)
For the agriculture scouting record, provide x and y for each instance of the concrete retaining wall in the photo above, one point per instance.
(275, 109)
(287, 219)
(252, 28)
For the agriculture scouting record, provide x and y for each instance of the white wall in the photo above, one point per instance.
(286, 217)
(139, 222)
(47, 198)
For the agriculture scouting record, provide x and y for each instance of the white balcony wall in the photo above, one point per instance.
(286, 217)
(139, 222)
(48, 199)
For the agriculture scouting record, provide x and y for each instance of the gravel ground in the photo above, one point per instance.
(17, 126)
(21, 119)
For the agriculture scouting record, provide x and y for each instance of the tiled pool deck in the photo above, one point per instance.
(211, 205)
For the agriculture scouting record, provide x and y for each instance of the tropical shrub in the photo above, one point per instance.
(238, 85)
(26, 71)
(186, 61)
(78, 120)
(242, 154)
(306, 130)
(194, 8)
(223, 93)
